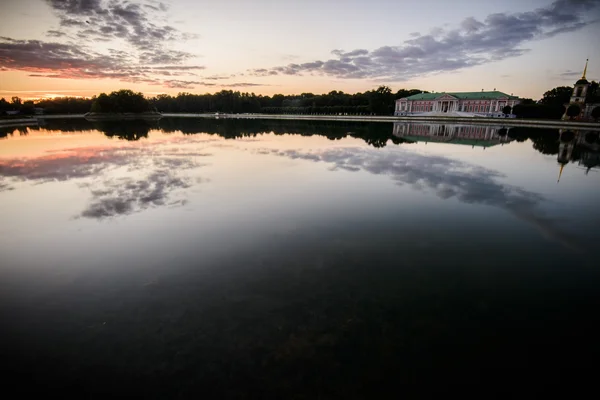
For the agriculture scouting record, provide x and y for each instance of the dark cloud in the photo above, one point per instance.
(54, 33)
(219, 77)
(446, 177)
(179, 67)
(179, 84)
(70, 61)
(117, 19)
(263, 72)
(242, 84)
(89, 21)
(473, 42)
(62, 60)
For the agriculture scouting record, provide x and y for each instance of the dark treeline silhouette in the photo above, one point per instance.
(121, 101)
(59, 105)
(552, 103)
(375, 102)
(545, 141)
(379, 101)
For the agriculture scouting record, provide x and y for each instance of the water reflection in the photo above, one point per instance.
(472, 135)
(583, 148)
(121, 180)
(447, 178)
(580, 146)
(302, 263)
(127, 130)
(151, 172)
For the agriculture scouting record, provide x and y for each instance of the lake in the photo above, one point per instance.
(293, 259)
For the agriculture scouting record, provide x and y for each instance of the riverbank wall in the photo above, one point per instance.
(507, 122)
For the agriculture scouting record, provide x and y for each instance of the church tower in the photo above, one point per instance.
(581, 88)
(579, 93)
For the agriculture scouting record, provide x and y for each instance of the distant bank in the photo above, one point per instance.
(148, 116)
(368, 118)
(380, 118)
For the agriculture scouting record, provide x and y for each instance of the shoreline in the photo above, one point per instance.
(508, 122)
(16, 122)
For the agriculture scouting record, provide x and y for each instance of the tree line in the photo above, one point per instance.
(379, 101)
(551, 105)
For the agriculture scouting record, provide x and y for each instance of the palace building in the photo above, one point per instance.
(459, 104)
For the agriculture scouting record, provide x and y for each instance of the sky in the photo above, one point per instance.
(52, 48)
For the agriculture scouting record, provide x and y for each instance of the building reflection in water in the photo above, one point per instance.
(581, 147)
(472, 135)
(578, 146)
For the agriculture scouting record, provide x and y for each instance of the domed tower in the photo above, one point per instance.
(581, 87)
(579, 93)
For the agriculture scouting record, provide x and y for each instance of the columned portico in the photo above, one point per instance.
(446, 104)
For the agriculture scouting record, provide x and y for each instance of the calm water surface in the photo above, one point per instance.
(293, 259)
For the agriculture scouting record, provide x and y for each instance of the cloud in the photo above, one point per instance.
(150, 51)
(179, 84)
(568, 74)
(179, 67)
(134, 23)
(219, 77)
(473, 42)
(54, 33)
(74, 61)
(243, 84)
(447, 178)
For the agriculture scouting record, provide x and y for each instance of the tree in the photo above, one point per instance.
(593, 94)
(557, 96)
(596, 113)
(573, 111)
(16, 101)
(506, 109)
(381, 100)
(4, 105)
(538, 111)
(122, 101)
(407, 92)
(27, 107)
(102, 104)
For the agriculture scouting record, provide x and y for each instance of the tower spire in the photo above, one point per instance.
(560, 172)
(585, 69)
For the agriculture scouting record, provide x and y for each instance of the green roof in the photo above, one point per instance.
(468, 142)
(462, 95)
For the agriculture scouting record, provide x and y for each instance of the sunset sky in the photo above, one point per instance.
(83, 47)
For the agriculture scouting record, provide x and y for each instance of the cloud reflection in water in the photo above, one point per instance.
(447, 178)
(157, 175)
